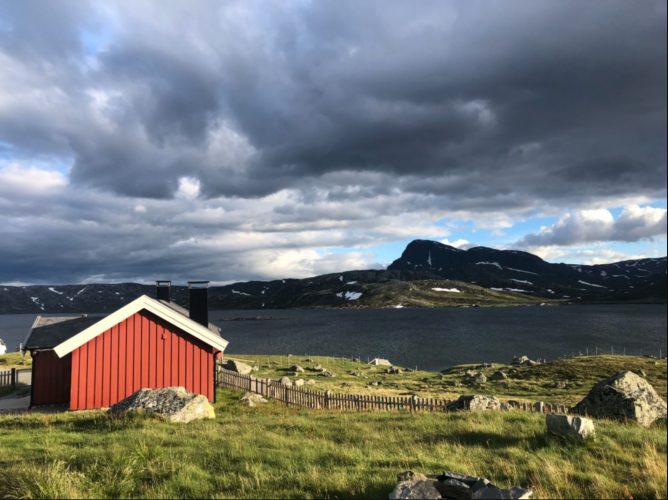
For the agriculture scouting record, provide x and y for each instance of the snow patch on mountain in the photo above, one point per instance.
(489, 264)
(591, 284)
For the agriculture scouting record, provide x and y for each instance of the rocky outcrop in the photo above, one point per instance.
(624, 396)
(454, 486)
(524, 361)
(251, 399)
(286, 381)
(420, 488)
(472, 377)
(575, 428)
(296, 369)
(380, 362)
(173, 404)
(238, 366)
(476, 402)
(498, 375)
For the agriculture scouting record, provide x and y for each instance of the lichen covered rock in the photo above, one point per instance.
(173, 404)
(624, 396)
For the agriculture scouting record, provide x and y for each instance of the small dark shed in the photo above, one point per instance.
(95, 361)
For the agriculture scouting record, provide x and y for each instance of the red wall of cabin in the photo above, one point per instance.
(50, 378)
(142, 351)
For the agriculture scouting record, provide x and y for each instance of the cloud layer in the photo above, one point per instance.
(249, 138)
(586, 226)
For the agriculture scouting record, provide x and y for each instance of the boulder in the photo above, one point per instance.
(421, 488)
(238, 366)
(409, 475)
(491, 492)
(327, 373)
(299, 382)
(251, 399)
(453, 488)
(285, 381)
(296, 369)
(393, 370)
(524, 361)
(576, 428)
(380, 362)
(474, 377)
(173, 404)
(624, 396)
(498, 375)
(310, 382)
(475, 403)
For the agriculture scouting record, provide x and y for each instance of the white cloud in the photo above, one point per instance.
(189, 188)
(585, 226)
(16, 178)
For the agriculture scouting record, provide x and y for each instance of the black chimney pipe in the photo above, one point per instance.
(199, 301)
(163, 290)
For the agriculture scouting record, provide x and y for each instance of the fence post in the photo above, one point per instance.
(414, 403)
(327, 399)
(13, 378)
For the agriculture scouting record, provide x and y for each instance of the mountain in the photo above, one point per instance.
(522, 272)
(428, 274)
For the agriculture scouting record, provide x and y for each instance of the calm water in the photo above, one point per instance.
(432, 338)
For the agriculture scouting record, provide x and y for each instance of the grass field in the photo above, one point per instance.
(277, 452)
(525, 382)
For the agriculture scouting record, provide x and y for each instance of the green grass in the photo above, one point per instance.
(15, 360)
(277, 452)
(525, 382)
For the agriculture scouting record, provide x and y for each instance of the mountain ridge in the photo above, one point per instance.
(425, 275)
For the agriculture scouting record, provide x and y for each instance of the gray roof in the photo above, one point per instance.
(49, 331)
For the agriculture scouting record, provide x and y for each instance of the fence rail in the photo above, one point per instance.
(306, 397)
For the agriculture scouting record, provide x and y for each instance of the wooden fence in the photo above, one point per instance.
(8, 378)
(306, 397)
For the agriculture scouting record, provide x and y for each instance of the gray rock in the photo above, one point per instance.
(477, 402)
(393, 370)
(380, 362)
(421, 488)
(327, 373)
(452, 488)
(286, 381)
(310, 382)
(498, 375)
(299, 382)
(468, 480)
(296, 369)
(173, 404)
(238, 366)
(624, 396)
(524, 361)
(576, 428)
(251, 399)
(493, 493)
(480, 483)
(409, 475)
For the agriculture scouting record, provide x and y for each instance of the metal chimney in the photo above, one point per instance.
(164, 290)
(199, 301)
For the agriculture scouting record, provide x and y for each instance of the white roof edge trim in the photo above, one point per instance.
(144, 302)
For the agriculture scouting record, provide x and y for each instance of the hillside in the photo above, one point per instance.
(512, 270)
(428, 274)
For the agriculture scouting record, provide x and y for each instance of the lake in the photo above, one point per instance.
(431, 338)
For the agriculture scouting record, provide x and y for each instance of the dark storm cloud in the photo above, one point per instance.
(308, 125)
(450, 89)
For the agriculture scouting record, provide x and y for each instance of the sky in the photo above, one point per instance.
(244, 140)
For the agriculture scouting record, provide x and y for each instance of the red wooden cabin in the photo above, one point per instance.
(91, 362)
